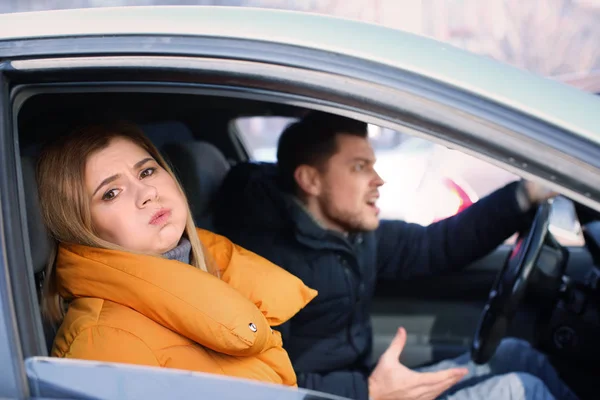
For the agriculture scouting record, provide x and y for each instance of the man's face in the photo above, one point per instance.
(349, 187)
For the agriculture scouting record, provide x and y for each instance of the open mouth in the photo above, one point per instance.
(372, 203)
(160, 217)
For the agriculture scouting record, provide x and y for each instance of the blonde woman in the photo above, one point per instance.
(132, 280)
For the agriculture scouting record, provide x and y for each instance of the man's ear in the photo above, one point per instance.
(308, 180)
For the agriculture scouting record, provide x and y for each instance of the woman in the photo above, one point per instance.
(139, 283)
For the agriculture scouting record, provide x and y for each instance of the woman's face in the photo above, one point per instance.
(134, 202)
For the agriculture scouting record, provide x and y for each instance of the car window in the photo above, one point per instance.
(425, 182)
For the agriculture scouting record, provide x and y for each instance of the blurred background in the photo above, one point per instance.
(559, 39)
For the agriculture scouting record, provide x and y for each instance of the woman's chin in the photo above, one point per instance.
(168, 238)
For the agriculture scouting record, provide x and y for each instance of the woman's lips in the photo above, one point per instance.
(160, 217)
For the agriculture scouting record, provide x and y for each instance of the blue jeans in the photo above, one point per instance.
(516, 371)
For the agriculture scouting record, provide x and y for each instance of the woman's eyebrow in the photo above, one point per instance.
(114, 177)
(142, 162)
(106, 182)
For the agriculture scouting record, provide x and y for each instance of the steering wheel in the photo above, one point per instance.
(509, 288)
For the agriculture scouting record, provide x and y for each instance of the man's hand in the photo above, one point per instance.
(530, 194)
(391, 380)
(537, 193)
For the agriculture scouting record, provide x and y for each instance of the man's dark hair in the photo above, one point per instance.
(312, 141)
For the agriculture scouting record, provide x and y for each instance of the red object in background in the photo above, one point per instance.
(463, 200)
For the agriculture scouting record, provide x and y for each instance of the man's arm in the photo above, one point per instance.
(407, 250)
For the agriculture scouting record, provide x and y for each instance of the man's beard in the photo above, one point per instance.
(351, 222)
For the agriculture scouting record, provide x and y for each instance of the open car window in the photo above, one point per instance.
(425, 182)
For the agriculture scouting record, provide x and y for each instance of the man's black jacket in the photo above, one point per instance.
(329, 341)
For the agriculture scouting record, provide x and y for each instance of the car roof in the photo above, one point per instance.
(551, 101)
(588, 81)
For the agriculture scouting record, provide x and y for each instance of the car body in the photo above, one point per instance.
(207, 66)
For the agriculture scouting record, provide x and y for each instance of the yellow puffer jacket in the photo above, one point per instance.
(147, 310)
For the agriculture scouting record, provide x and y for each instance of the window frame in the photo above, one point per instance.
(13, 383)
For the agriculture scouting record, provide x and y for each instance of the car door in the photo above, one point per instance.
(331, 81)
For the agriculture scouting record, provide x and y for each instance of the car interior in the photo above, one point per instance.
(560, 315)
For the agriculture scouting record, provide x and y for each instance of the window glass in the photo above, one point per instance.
(425, 182)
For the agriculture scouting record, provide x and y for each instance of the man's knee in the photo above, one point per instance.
(513, 344)
(531, 386)
(516, 355)
(513, 349)
(514, 385)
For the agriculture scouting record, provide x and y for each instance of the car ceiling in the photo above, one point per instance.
(47, 115)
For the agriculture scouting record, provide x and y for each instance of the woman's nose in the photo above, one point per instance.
(146, 194)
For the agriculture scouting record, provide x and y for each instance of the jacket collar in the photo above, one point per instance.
(311, 232)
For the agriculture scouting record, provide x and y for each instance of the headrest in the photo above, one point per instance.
(39, 240)
(251, 196)
(201, 168)
(161, 133)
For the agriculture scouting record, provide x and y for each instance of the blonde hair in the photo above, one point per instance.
(65, 206)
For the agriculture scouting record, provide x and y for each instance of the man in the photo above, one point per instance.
(315, 215)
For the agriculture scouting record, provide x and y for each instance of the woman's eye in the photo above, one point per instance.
(110, 195)
(147, 172)
(359, 167)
